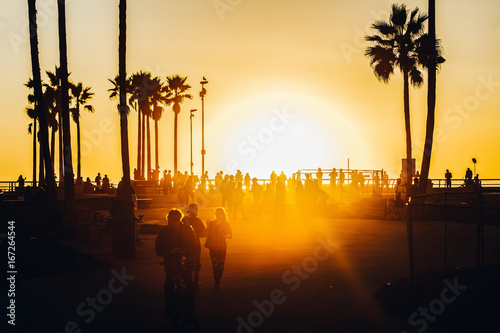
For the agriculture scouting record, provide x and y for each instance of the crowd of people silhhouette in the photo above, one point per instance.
(310, 189)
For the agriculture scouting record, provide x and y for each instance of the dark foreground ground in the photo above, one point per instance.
(283, 273)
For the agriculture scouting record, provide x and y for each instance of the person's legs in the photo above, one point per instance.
(169, 294)
(196, 269)
(218, 258)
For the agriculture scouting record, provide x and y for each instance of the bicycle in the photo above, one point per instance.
(179, 293)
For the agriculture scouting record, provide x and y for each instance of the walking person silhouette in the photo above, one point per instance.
(176, 243)
(217, 232)
(194, 221)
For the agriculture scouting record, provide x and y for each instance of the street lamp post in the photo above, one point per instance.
(202, 95)
(191, 115)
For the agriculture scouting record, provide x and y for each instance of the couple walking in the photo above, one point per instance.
(179, 245)
(216, 232)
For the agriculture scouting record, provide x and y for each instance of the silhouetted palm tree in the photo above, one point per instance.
(32, 128)
(35, 64)
(395, 47)
(429, 52)
(81, 97)
(70, 214)
(52, 95)
(139, 86)
(159, 96)
(178, 88)
(124, 235)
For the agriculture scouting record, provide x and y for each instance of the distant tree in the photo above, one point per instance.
(32, 128)
(81, 96)
(395, 47)
(178, 87)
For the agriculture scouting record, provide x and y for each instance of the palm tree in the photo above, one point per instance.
(35, 65)
(429, 51)
(138, 83)
(32, 114)
(178, 87)
(159, 96)
(395, 46)
(81, 96)
(70, 214)
(52, 95)
(124, 230)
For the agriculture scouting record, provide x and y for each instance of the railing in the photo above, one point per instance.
(11, 186)
(457, 182)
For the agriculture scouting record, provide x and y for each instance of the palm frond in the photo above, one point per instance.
(416, 77)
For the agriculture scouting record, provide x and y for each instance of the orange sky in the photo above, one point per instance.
(288, 88)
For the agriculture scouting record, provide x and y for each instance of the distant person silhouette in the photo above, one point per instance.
(239, 196)
(280, 193)
(257, 191)
(194, 221)
(300, 196)
(283, 177)
(385, 181)
(175, 241)
(341, 178)
(319, 177)
(468, 177)
(247, 181)
(333, 179)
(477, 182)
(273, 178)
(105, 183)
(448, 177)
(217, 231)
(376, 182)
(98, 181)
(21, 180)
(204, 180)
(88, 187)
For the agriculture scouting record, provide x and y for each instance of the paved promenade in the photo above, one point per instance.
(283, 274)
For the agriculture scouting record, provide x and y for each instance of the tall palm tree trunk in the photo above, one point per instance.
(34, 147)
(124, 228)
(70, 215)
(431, 103)
(157, 165)
(138, 141)
(35, 64)
(79, 150)
(143, 144)
(60, 150)
(175, 144)
(41, 178)
(149, 149)
(409, 169)
(53, 147)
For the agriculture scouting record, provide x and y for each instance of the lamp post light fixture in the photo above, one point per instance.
(474, 161)
(191, 115)
(202, 95)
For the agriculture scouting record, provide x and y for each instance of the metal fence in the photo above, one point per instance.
(449, 230)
